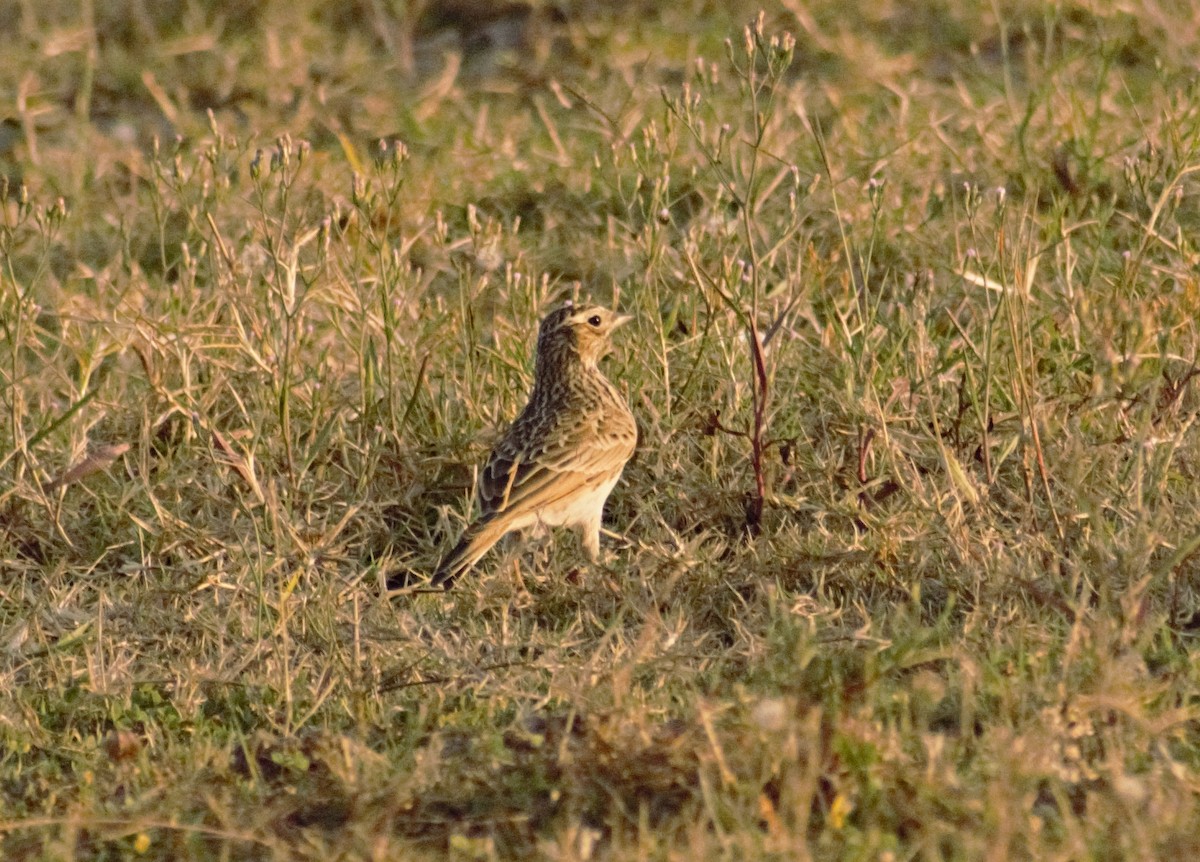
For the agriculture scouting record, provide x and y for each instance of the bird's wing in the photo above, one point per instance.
(531, 468)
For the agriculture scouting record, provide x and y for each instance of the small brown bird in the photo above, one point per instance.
(557, 463)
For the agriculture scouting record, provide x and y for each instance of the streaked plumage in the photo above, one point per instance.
(558, 462)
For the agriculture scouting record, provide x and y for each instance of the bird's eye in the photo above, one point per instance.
(594, 320)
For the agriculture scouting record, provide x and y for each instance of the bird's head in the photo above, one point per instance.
(582, 330)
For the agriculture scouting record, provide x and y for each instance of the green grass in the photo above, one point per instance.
(250, 357)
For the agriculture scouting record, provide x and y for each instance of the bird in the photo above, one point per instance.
(561, 457)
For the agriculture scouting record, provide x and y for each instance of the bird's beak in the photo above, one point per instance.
(620, 320)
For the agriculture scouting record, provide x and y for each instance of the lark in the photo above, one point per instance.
(557, 463)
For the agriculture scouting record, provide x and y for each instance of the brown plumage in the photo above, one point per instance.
(558, 462)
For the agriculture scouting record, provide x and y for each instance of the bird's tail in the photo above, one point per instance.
(475, 542)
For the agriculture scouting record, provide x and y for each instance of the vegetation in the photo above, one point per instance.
(905, 565)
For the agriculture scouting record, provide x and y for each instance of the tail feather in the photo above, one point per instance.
(475, 542)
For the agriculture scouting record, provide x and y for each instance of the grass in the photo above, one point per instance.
(907, 557)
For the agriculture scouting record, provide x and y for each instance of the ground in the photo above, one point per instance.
(905, 566)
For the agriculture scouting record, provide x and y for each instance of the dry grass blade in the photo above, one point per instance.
(97, 460)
